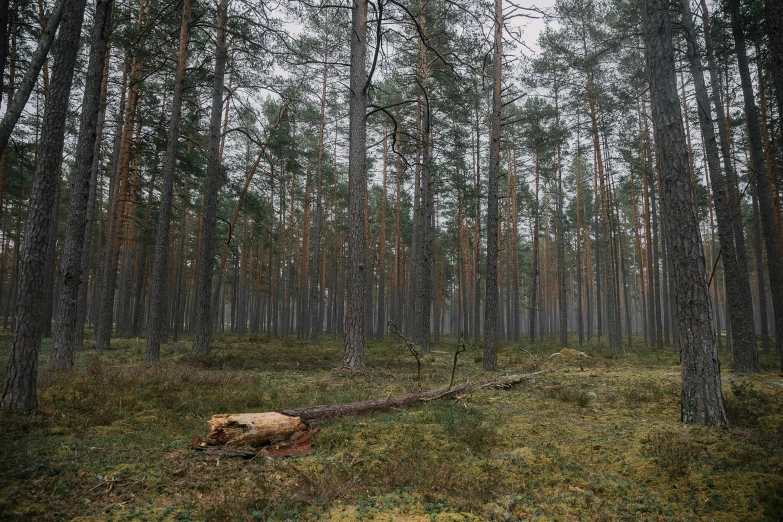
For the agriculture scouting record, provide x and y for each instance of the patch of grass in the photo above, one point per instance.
(747, 404)
(109, 442)
(570, 395)
(673, 451)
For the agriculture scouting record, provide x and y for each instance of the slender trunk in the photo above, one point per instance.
(580, 329)
(534, 276)
(353, 354)
(316, 289)
(160, 271)
(203, 325)
(559, 231)
(380, 332)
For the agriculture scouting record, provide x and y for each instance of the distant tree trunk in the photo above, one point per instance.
(89, 228)
(561, 279)
(477, 239)
(533, 299)
(615, 335)
(116, 210)
(380, 332)
(316, 289)
(424, 256)
(656, 258)
(160, 264)
(353, 354)
(180, 288)
(702, 401)
(139, 294)
(203, 325)
(756, 149)
(742, 327)
(491, 311)
(398, 246)
(639, 259)
(733, 198)
(515, 254)
(580, 329)
(15, 106)
(19, 389)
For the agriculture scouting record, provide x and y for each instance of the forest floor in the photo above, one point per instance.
(601, 442)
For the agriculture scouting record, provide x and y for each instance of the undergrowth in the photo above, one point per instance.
(592, 438)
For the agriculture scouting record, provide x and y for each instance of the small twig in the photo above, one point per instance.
(461, 347)
(410, 345)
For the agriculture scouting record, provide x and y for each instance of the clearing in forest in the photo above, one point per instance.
(111, 442)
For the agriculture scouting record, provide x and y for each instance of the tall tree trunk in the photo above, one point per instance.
(19, 390)
(733, 197)
(762, 187)
(477, 238)
(203, 325)
(89, 228)
(533, 299)
(160, 264)
(580, 329)
(743, 331)
(116, 208)
(380, 332)
(424, 255)
(615, 335)
(702, 401)
(316, 289)
(561, 279)
(353, 354)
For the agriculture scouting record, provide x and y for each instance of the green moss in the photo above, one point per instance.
(598, 440)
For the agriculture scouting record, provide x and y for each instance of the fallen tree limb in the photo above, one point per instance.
(256, 429)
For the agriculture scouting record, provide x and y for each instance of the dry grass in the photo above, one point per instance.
(110, 441)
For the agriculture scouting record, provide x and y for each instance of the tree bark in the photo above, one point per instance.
(353, 354)
(380, 332)
(702, 400)
(759, 171)
(19, 391)
(203, 325)
(160, 264)
(742, 327)
(491, 310)
(316, 289)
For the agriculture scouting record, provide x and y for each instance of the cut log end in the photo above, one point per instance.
(254, 429)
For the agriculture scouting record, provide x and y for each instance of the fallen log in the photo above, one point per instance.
(253, 429)
(256, 429)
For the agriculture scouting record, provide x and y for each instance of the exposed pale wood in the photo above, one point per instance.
(253, 428)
